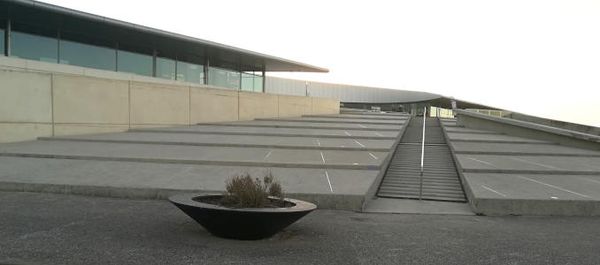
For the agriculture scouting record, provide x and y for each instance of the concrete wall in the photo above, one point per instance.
(44, 99)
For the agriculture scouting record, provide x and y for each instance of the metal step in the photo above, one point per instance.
(440, 178)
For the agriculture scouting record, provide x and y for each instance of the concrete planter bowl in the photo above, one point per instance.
(240, 223)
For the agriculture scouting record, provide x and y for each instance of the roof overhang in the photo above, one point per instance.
(66, 18)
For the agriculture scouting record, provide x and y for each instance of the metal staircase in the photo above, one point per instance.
(439, 180)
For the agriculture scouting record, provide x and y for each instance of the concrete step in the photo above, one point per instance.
(403, 176)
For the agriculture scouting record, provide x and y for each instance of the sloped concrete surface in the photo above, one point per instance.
(291, 132)
(233, 140)
(510, 175)
(331, 167)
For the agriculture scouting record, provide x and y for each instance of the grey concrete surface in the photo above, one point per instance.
(360, 116)
(365, 120)
(535, 194)
(528, 129)
(535, 164)
(535, 186)
(334, 168)
(314, 125)
(209, 129)
(157, 180)
(196, 154)
(455, 136)
(53, 229)
(386, 205)
(235, 140)
(536, 128)
(522, 149)
(458, 129)
(514, 176)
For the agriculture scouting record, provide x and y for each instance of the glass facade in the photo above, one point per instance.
(33, 47)
(258, 84)
(136, 63)
(189, 72)
(247, 82)
(223, 78)
(165, 68)
(252, 82)
(75, 53)
(42, 43)
(1, 41)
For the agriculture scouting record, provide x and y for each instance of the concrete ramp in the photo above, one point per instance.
(330, 160)
(511, 175)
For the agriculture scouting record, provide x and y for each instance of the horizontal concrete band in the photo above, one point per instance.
(471, 132)
(266, 134)
(522, 153)
(524, 141)
(342, 116)
(366, 121)
(196, 161)
(301, 147)
(535, 207)
(303, 127)
(352, 112)
(324, 201)
(525, 171)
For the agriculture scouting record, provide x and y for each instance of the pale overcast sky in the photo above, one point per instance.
(537, 57)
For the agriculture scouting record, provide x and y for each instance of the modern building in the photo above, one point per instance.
(68, 72)
(107, 108)
(43, 32)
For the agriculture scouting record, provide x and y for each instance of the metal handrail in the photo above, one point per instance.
(422, 154)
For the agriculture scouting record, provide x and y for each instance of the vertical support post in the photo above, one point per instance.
(264, 81)
(241, 76)
(206, 65)
(176, 60)
(422, 154)
(154, 62)
(58, 40)
(116, 56)
(7, 37)
(306, 88)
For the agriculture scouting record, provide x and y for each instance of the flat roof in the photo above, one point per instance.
(52, 15)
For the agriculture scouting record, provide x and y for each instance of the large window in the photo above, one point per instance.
(223, 78)
(190, 72)
(87, 49)
(258, 83)
(86, 55)
(252, 82)
(165, 68)
(247, 82)
(33, 47)
(136, 63)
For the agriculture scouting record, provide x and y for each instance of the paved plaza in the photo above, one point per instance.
(37, 228)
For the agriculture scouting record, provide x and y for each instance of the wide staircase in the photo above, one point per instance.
(439, 180)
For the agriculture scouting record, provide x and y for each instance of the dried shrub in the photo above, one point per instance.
(243, 191)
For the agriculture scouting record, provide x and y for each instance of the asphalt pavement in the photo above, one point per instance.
(38, 228)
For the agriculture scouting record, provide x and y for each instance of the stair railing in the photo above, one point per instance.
(422, 154)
